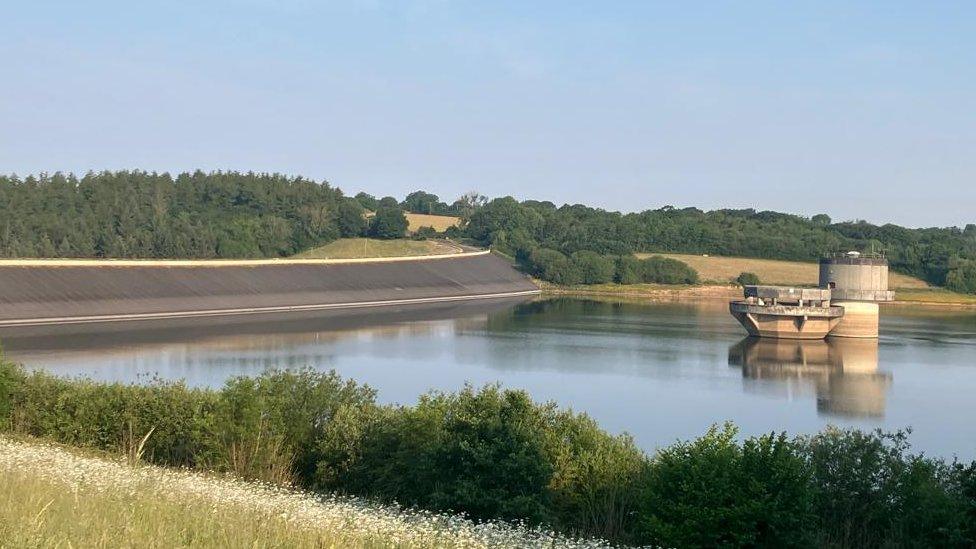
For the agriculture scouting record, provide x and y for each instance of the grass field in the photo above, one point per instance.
(53, 497)
(934, 296)
(352, 248)
(721, 270)
(438, 222)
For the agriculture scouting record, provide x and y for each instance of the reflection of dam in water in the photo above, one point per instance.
(842, 372)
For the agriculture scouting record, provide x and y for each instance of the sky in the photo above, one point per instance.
(861, 110)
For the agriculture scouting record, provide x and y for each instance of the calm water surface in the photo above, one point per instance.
(660, 371)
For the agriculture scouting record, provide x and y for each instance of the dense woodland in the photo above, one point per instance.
(230, 214)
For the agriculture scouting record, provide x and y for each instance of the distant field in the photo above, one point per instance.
(770, 271)
(935, 296)
(438, 222)
(352, 248)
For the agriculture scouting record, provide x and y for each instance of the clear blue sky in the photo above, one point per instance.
(856, 109)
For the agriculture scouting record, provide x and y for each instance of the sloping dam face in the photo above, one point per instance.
(36, 293)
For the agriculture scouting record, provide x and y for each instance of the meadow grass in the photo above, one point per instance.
(54, 497)
(722, 270)
(352, 248)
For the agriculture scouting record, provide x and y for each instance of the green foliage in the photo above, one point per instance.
(627, 270)
(351, 219)
(387, 202)
(586, 267)
(367, 201)
(253, 426)
(962, 277)
(925, 253)
(821, 219)
(140, 214)
(388, 223)
(664, 270)
(593, 268)
(869, 492)
(424, 203)
(716, 492)
(495, 453)
(424, 233)
(747, 279)
(552, 266)
(479, 451)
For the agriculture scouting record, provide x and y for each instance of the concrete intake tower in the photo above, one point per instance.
(845, 304)
(857, 282)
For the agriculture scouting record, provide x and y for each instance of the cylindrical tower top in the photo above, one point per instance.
(856, 277)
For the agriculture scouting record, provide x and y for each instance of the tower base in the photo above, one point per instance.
(860, 320)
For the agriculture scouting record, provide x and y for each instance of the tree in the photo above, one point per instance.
(468, 203)
(962, 276)
(367, 201)
(821, 219)
(352, 218)
(423, 202)
(387, 202)
(388, 223)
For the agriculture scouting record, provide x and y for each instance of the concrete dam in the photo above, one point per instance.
(59, 292)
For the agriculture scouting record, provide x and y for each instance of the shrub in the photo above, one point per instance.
(627, 270)
(596, 480)
(747, 279)
(715, 492)
(869, 491)
(253, 426)
(482, 452)
(664, 270)
(423, 233)
(553, 266)
(592, 267)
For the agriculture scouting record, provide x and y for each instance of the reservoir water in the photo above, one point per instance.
(660, 371)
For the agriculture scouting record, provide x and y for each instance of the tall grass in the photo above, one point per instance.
(50, 497)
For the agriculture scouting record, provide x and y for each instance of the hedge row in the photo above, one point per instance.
(585, 267)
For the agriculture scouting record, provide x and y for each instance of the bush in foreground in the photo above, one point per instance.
(495, 453)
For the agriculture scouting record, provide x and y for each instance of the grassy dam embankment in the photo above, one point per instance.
(44, 292)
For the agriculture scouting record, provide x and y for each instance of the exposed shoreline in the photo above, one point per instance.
(702, 292)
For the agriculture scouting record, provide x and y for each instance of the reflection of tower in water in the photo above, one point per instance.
(843, 372)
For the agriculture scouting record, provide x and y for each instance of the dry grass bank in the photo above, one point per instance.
(721, 270)
(652, 292)
(440, 223)
(52, 497)
(355, 248)
(934, 296)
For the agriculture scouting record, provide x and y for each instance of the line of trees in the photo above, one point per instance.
(231, 214)
(587, 267)
(497, 454)
(941, 256)
(423, 202)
